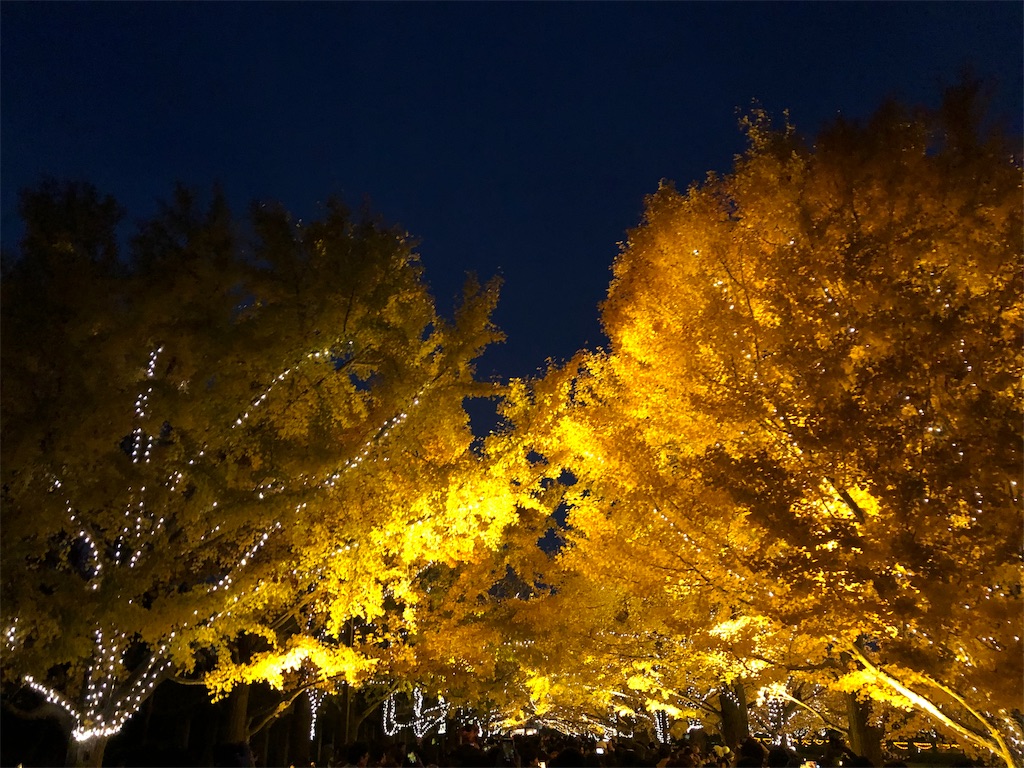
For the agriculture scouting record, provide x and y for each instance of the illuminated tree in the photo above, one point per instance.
(194, 436)
(812, 403)
(637, 602)
(459, 641)
(60, 321)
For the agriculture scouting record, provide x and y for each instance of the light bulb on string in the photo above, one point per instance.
(129, 546)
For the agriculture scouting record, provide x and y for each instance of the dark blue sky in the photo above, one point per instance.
(509, 138)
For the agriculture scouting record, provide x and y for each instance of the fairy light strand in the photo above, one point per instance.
(106, 707)
(423, 720)
(316, 699)
(661, 729)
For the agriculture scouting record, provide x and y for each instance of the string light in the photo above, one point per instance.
(661, 729)
(225, 581)
(104, 714)
(423, 720)
(391, 726)
(316, 699)
(10, 634)
(106, 704)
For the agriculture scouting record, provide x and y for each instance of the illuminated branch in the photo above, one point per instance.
(661, 727)
(777, 692)
(848, 500)
(277, 710)
(996, 745)
(978, 716)
(824, 664)
(105, 713)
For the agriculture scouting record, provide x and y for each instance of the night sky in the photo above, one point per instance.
(513, 139)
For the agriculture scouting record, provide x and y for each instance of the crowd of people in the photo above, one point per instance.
(554, 750)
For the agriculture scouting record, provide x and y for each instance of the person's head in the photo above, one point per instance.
(857, 760)
(750, 752)
(570, 757)
(377, 754)
(358, 753)
(232, 754)
(778, 757)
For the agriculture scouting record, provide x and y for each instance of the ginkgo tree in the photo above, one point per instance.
(801, 454)
(636, 601)
(195, 434)
(447, 633)
(653, 597)
(811, 403)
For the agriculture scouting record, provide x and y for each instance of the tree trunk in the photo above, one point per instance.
(147, 717)
(277, 752)
(86, 754)
(341, 720)
(237, 726)
(865, 740)
(301, 719)
(366, 710)
(349, 735)
(733, 703)
(183, 732)
(264, 748)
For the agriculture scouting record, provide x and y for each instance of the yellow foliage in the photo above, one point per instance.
(732, 629)
(639, 683)
(805, 430)
(539, 688)
(866, 501)
(655, 705)
(336, 662)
